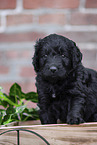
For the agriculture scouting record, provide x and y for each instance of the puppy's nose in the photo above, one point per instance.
(53, 69)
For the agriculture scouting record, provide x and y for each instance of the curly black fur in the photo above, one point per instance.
(67, 90)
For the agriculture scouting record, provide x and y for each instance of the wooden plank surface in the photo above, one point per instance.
(59, 134)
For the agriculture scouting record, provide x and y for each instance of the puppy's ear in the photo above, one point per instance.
(36, 55)
(76, 55)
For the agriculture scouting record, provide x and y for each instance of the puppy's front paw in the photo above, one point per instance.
(74, 119)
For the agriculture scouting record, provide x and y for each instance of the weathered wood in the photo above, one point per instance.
(60, 134)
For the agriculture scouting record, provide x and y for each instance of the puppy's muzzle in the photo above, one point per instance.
(53, 69)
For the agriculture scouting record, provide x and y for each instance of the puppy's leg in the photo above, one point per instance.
(75, 115)
(47, 117)
(46, 113)
(94, 118)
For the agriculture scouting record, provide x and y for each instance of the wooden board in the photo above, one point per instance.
(59, 134)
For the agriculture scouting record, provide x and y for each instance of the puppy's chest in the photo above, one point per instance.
(60, 104)
(59, 92)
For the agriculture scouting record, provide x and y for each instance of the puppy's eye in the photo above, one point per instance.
(63, 55)
(45, 56)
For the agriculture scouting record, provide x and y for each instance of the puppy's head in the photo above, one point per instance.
(55, 56)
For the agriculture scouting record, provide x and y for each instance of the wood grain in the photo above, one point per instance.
(59, 134)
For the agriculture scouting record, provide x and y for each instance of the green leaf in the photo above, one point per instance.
(20, 109)
(32, 112)
(4, 98)
(2, 114)
(7, 119)
(10, 110)
(15, 105)
(3, 103)
(35, 114)
(32, 96)
(1, 94)
(22, 95)
(15, 91)
(1, 88)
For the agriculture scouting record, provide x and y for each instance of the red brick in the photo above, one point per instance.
(28, 86)
(17, 54)
(1, 55)
(81, 36)
(4, 69)
(52, 19)
(19, 19)
(27, 71)
(89, 55)
(0, 21)
(26, 54)
(20, 37)
(91, 3)
(83, 19)
(12, 54)
(89, 58)
(31, 4)
(7, 4)
(6, 86)
(30, 104)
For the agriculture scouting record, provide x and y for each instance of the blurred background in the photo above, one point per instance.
(22, 22)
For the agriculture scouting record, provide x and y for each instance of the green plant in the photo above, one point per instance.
(14, 108)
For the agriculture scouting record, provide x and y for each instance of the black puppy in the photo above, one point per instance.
(67, 90)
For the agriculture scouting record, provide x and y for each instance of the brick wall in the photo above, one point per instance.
(24, 21)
